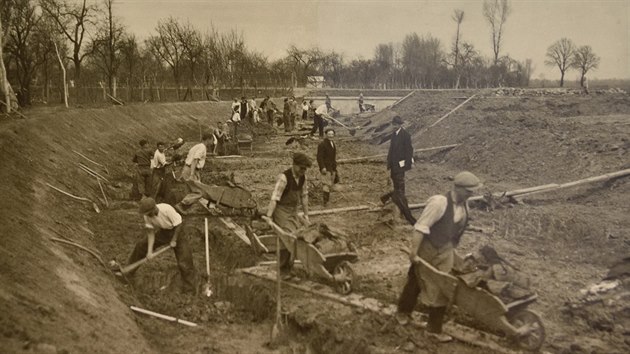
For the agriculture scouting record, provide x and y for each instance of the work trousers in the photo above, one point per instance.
(318, 123)
(286, 119)
(157, 183)
(398, 195)
(409, 296)
(143, 180)
(270, 114)
(183, 254)
(409, 299)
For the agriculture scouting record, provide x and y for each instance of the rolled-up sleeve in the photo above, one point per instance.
(281, 183)
(436, 206)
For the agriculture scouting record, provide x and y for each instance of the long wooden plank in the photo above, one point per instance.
(364, 158)
(518, 193)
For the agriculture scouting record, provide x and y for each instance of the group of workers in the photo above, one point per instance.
(435, 233)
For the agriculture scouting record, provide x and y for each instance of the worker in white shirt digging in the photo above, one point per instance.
(164, 226)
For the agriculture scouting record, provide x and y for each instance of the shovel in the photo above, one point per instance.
(277, 326)
(207, 290)
(276, 330)
(352, 131)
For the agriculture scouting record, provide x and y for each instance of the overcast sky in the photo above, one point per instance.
(354, 28)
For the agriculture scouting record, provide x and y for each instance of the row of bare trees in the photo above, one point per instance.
(566, 55)
(46, 44)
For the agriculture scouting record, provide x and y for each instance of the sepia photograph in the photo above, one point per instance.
(315, 176)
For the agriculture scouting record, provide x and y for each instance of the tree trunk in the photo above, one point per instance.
(562, 79)
(63, 71)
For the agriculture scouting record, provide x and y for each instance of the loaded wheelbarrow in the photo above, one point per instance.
(333, 267)
(514, 320)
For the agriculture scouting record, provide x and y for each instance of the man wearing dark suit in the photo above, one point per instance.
(327, 162)
(399, 160)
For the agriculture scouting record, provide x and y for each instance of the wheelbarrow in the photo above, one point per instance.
(332, 267)
(514, 320)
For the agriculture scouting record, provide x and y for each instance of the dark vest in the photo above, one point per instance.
(293, 191)
(445, 230)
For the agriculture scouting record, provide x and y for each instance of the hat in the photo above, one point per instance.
(397, 120)
(146, 205)
(301, 159)
(467, 180)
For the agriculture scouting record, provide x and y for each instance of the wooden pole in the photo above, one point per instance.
(164, 317)
(404, 98)
(102, 191)
(517, 193)
(80, 247)
(92, 161)
(599, 178)
(94, 173)
(365, 158)
(452, 110)
(115, 100)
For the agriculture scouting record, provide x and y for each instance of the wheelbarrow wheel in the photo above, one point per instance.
(344, 272)
(531, 322)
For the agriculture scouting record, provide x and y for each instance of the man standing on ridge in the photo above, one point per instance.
(327, 162)
(399, 160)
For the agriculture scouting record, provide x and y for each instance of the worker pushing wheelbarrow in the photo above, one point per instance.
(322, 251)
(483, 301)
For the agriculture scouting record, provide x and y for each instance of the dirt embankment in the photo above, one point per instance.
(55, 297)
(565, 240)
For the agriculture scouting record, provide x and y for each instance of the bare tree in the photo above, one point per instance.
(72, 20)
(106, 45)
(304, 61)
(458, 17)
(560, 54)
(584, 59)
(6, 92)
(384, 62)
(167, 47)
(27, 45)
(129, 61)
(496, 13)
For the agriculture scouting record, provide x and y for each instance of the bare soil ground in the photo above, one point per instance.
(56, 298)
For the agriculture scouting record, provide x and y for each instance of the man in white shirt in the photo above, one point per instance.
(158, 162)
(164, 226)
(305, 108)
(435, 236)
(195, 161)
(318, 120)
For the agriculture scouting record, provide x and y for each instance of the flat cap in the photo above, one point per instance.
(397, 120)
(301, 159)
(468, 180)
(146, 205)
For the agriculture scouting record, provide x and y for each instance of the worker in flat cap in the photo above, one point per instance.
(290, 191)
(435, 236)
(163, 227)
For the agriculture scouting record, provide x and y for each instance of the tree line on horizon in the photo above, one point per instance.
(46, 45)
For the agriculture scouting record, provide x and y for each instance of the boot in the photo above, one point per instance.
(326, 198)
